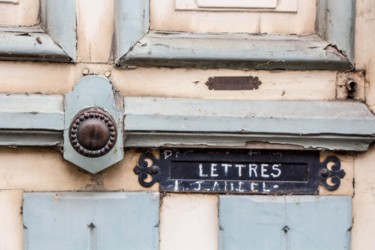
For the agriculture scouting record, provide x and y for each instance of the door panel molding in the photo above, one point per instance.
(169, 122)
(54, 40)
(331, 49)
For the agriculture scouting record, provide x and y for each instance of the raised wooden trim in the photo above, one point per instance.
(31, 120)
(32, 138)
(225, 123)
(252, 141)
(234, 51)
(58, 19)
(131, 24)
(53, 40)
(38, 120)
(333, 50)
(336, 24)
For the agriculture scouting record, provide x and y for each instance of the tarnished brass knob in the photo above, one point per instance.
(93, 132)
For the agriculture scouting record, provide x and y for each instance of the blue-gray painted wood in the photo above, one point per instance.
(325, 124)
(131, 24)
(235, 51)
(322, 222)
(58, 18)
(251, 223)
(37, 138)
(56, 42)
(26, 112)
(285, 223)
(244, 140)
(31, 120)
(30, 45)
(92, 221)
(39, 120)
(97, 92)
(137, 46)
(336, 24)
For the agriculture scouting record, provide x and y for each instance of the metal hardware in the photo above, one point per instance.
(351, 87)
(285, 229)
(93, 125)
(233, 83)
(93, 133)
(143, 170)
(239, 171)
(335, 174)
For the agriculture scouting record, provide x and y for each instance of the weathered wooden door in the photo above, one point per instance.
(135, 68)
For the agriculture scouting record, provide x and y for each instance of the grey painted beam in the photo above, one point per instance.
(217, 123)
(31, 120)
(32, 138)
(252, 141)
(235, 51)
(38, 120)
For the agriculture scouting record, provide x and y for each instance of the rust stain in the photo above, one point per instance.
(233, 83)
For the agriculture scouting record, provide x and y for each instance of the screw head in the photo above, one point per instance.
(324, 172)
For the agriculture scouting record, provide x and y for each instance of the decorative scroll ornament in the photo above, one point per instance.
(335, 173)
(147, 169)
(93, 133)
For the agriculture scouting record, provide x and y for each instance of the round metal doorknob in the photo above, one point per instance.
(93, 132)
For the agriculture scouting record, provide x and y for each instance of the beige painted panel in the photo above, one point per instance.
(237, 3)
(347, 164)
(40, 170)
(121, 177)
(11, 227)
(303, 23)
(365, 46)
(364, 202)
(164, 17)
(245, 5)
(21, 12)
(33, 169)
(56, 78)
(95, 28)
(9, 1)
(46, 78)
(189, 83)
(189, 222)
